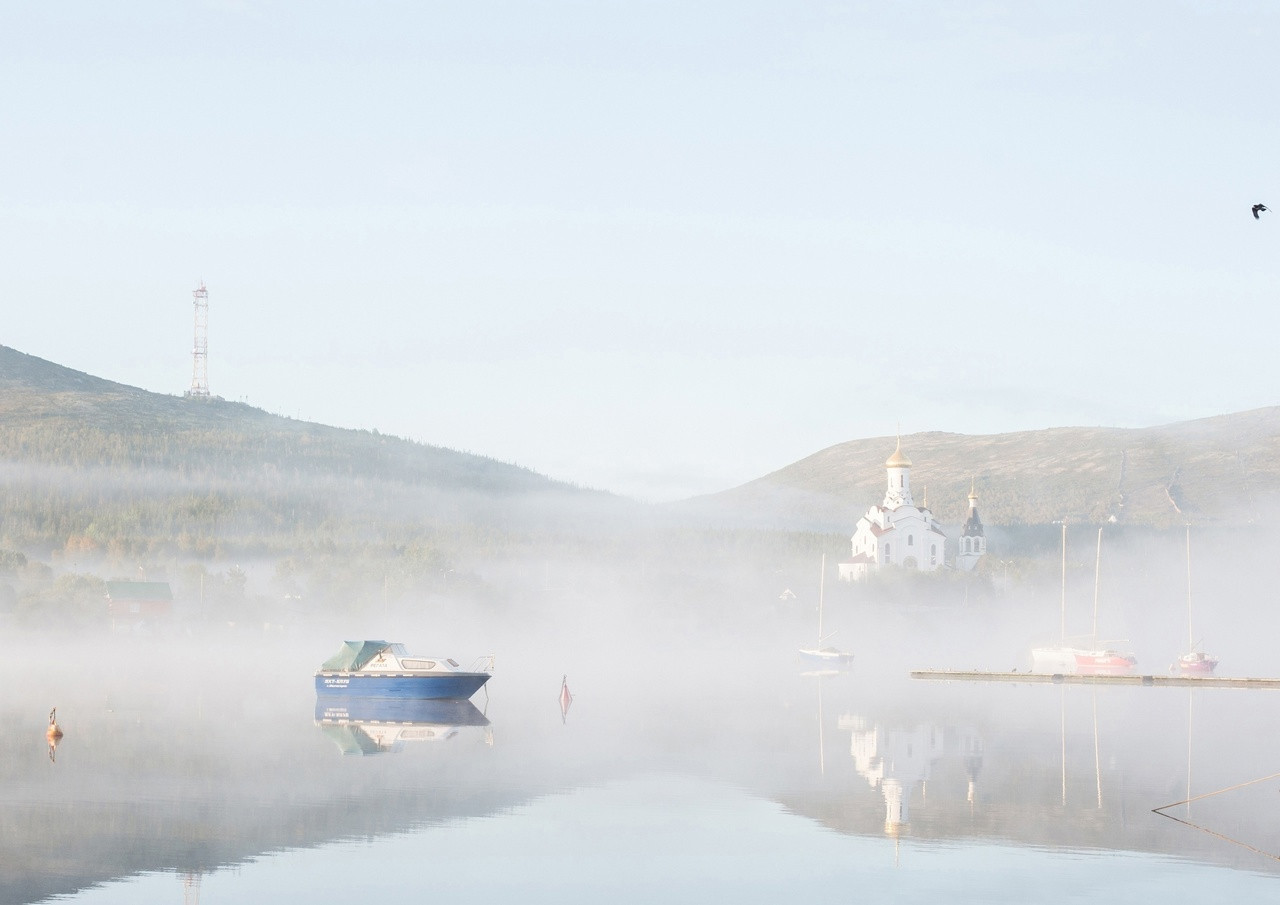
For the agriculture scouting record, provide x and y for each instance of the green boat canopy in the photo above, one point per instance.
(354, 655)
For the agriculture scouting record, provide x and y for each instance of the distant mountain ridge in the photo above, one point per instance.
(1211, 470)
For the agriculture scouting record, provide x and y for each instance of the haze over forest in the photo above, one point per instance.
(267, 519)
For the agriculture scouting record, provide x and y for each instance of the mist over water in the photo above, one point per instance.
(699, 756)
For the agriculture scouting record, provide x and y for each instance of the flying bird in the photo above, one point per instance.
(1257, 208)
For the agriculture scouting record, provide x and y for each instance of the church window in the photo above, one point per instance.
(902, 480)
(933, 555)
(911, 540)
(886, 552)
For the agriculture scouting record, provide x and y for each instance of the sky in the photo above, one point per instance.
(659, 248)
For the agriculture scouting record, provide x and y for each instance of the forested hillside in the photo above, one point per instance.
(99, 478)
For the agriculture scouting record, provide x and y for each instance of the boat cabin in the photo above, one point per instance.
(384, 657)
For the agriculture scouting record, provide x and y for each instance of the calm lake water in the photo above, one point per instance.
(210, 775)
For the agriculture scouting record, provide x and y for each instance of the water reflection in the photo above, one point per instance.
(362, 726)
(566, 699)
(897, 760)
(191, 783)
(53, 735)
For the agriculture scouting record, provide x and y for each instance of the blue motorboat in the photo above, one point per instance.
(384, 670)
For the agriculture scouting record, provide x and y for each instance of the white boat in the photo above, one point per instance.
(1092, 658)
(831, 656)
(1194, 661)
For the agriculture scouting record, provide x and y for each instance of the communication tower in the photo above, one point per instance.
(200, 349)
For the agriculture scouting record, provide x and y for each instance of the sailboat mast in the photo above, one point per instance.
(822, 587)
(1191, 639)
(1097, 574)
(1062, 628)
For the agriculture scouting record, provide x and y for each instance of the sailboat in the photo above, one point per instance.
(1091, 660)
(1194, 661)
(830, 656)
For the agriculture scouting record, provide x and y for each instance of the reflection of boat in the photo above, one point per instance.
(365, 725)
(826, 655)
(381, 669)
(1195, 662)
(1090, 660)
(566, 699)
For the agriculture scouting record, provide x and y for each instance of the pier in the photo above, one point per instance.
(976, 675)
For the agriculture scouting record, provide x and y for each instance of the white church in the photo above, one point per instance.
(899, 533)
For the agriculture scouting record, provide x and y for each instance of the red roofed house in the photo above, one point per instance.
(139, 601)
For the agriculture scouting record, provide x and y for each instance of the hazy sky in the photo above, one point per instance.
(660, 248)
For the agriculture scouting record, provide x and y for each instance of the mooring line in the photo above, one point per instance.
(1204, 829)
(1240, 785)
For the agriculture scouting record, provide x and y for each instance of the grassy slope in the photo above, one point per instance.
(1226, 467)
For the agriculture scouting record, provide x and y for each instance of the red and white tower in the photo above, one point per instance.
(200, 349)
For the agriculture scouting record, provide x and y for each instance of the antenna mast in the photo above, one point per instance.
(200, 348)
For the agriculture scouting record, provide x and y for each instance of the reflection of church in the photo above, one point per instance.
(897, 760)
(899, 533)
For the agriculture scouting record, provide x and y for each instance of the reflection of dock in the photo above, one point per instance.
(975, 675)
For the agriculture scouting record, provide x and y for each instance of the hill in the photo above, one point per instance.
(53, 415)
(87, 464)
(258, 519)
(1205, 471)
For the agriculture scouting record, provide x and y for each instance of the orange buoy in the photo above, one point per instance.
(53, 733)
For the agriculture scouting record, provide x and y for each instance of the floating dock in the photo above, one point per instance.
(975, 675)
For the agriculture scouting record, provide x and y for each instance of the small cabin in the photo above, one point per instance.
(139, 601)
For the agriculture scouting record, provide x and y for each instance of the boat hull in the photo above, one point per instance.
(827, 656)
(1202, 665)
(1105, 663)
(448, 686)
(1081, 662)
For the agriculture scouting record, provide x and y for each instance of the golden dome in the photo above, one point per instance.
(898, 459)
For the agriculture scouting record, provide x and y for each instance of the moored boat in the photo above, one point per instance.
(1081, 661)
(385, 670)
(1104, 662)
(827, 656)
(830, 656)
(1093, 660)
(1196, 662)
